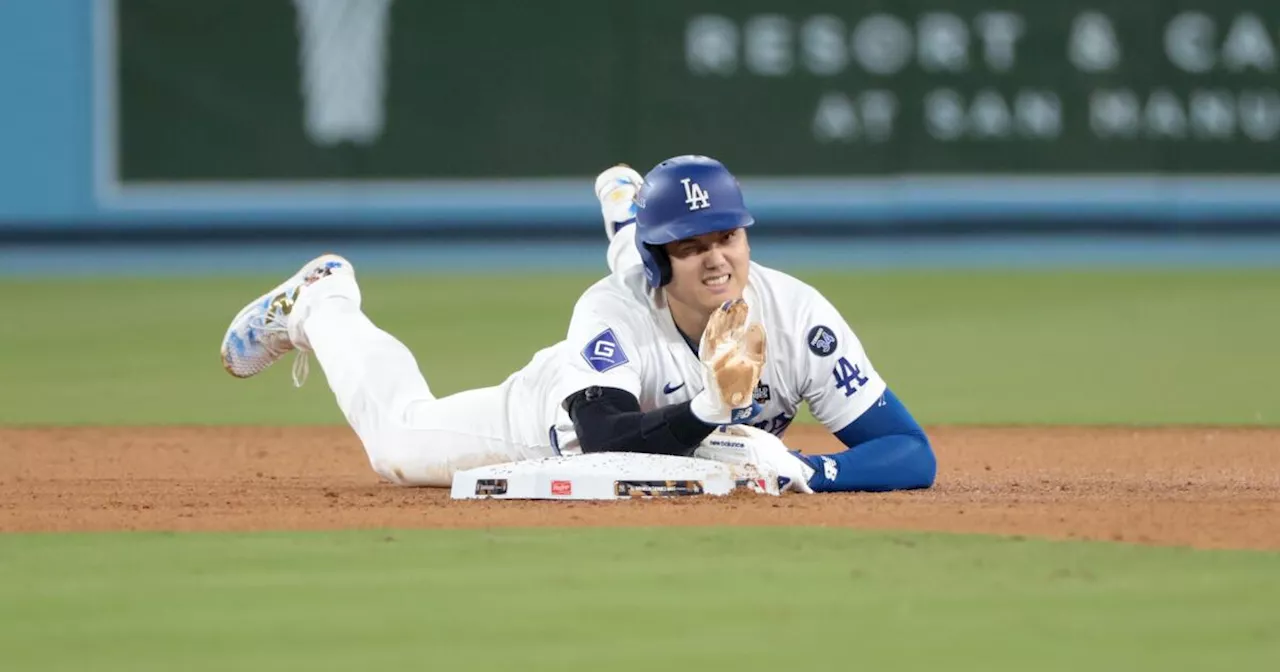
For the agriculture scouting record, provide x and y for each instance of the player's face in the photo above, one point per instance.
(710, 269)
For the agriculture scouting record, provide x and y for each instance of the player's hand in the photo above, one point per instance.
(733, 357)
(746, 445)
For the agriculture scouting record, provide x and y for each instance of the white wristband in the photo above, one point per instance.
(707, 409)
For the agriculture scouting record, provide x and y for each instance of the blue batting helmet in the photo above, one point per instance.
(683, 197)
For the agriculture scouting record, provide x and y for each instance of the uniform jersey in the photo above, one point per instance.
(622, 335)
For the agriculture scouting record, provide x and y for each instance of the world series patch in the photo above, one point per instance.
(762, 394)
(822, 341)
(604, 353)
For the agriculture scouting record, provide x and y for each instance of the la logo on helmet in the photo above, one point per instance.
(694, 195)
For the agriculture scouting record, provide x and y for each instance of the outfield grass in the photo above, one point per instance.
(771, 599)
(959, 347)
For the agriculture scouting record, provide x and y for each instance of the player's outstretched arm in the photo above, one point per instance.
(607, 419)
(887, 450)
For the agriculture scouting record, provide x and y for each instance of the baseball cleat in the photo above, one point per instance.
(259, 335)
(616, 188)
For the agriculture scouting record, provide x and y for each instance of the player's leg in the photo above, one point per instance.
(411, 437)
(616, 188)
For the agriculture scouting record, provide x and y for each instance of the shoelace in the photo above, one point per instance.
(301, 368)
(274, 334)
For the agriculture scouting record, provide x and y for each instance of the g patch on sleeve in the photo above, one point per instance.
(604, 353)
(822, 341)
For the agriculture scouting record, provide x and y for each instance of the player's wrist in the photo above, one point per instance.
(711, 410)
(708, 410)
(816, 476)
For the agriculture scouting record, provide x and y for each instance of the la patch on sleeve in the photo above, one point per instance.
(604, 353)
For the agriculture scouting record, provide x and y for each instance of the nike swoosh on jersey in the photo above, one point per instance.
(667, 389)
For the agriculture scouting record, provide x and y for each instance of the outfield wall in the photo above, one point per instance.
(390, 115)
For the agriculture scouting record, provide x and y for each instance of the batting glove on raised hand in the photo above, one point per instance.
(746, 445)
(733, 356)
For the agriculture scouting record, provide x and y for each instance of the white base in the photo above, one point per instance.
(610, 476)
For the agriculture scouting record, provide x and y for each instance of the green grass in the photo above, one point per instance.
(628, 600)
(959, 347)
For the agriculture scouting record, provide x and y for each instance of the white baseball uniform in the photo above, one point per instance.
(620, 335)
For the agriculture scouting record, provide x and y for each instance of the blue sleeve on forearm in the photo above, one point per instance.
(887, 450)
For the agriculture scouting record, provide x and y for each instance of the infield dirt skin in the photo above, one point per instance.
(1201, 487)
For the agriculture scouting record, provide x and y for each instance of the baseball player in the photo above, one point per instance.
(685, 340)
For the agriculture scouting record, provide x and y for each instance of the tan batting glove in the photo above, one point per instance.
(733, 356)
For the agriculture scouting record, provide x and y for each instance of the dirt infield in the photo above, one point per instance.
(1203, 487)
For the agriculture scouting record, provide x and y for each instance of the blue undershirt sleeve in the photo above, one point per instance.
(887, 450)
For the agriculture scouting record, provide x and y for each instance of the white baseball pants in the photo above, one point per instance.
(410, 436)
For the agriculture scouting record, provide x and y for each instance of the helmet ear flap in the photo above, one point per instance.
(657, 265)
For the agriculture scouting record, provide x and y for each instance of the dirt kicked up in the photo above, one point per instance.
(1200, 487)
